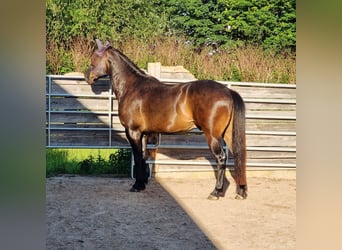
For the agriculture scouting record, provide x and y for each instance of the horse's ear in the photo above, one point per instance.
(100, 47)
(99, 44)
(107, 45)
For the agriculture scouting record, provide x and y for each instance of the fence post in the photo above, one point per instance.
(154, 69)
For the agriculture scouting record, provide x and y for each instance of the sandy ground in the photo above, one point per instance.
(100, 213)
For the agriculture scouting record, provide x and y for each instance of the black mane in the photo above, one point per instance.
(128, 61)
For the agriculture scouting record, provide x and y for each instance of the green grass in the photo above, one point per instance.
(88, 161)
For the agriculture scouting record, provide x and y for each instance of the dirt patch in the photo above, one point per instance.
(100, 213)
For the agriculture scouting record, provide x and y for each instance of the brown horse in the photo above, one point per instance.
(148, 106)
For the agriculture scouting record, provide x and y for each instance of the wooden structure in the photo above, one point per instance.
(83, 116)
(169, 72)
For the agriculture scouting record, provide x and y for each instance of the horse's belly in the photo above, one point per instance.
(179, 125)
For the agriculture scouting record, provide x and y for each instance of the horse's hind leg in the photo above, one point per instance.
(221, 157)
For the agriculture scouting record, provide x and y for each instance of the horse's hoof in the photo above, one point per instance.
(134, 190)
(239, 197)
(213, 197)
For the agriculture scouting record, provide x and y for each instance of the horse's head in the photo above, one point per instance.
(99, 65)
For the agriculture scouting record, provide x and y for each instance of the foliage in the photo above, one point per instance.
(270, 23)
(56, 161)
(75, 161)
(117, 164)
(121, 159)
(115, 20)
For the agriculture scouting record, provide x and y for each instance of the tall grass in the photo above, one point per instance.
(243, 63)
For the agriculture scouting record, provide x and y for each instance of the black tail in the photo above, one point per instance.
(239, 138)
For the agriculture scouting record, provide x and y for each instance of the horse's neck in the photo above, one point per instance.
(124, 80)
(124, 74)
(119, 85)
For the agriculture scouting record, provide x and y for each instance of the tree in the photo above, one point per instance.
(115, 20)
(270, 23)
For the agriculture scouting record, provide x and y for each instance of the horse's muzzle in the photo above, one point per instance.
(89, 76)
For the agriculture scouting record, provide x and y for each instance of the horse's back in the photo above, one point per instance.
(208, 92)
(207, 84)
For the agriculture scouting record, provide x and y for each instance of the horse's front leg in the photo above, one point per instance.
(145, 157)
(135, 139)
